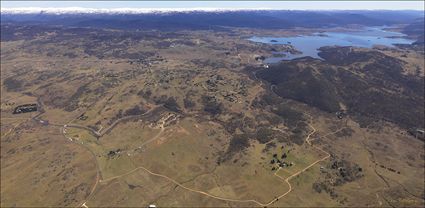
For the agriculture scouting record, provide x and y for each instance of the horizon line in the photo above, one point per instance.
(31, 10)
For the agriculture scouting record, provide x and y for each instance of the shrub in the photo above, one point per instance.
(133, 111)
(212, 106)
(238, 143)
(188, 103)
(12, 84)
(289, 115)
(264, 135)
(172, 105)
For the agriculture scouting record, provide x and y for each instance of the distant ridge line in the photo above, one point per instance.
(83, 10)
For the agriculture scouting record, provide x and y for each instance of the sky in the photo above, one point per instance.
(285, 5)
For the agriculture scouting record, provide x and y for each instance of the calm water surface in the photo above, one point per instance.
(309, 44)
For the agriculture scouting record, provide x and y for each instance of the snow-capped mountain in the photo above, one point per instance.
(201, 18)
(82, 10)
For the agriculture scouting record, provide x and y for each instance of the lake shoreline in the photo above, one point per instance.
(309, 45)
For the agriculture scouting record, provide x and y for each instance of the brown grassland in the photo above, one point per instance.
(171, 119)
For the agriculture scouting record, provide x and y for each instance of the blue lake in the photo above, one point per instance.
(309, 44)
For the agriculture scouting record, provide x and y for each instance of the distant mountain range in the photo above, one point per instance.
(133, 19)
(81, 10)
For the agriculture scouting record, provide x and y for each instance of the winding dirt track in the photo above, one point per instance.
(99, 133)
(100, 180)
(286, 180)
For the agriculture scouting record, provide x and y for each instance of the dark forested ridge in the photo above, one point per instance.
(370, 84)
(416, 30)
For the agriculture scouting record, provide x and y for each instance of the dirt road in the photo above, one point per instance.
(286, 180)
